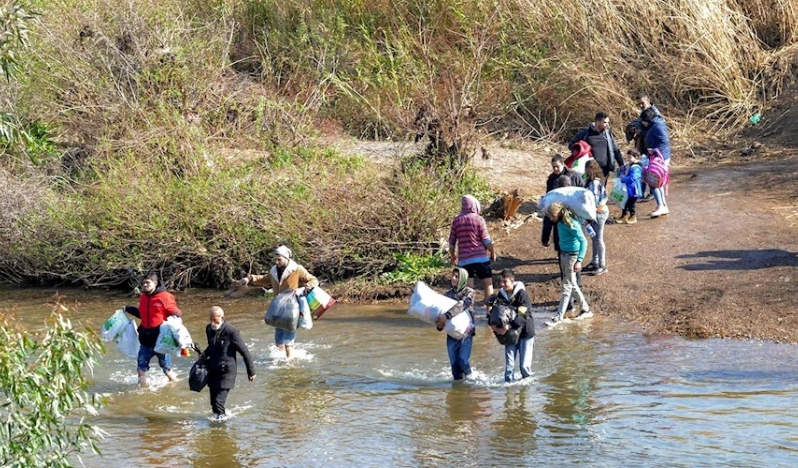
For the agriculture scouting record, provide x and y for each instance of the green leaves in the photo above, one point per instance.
(13, 34)
(42, 390)
(413, 267)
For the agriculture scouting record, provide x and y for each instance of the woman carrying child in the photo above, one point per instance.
(632, 176)
(459, 350)
(573, 247)
(595, 183)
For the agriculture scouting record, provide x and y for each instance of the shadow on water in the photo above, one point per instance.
(740, 259)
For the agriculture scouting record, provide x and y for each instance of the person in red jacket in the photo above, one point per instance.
(155, 305)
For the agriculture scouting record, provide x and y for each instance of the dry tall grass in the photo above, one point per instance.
(144, 100)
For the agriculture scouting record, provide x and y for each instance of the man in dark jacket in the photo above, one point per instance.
(156, 304)
(224, 341)
(602, 143)
(513, 295)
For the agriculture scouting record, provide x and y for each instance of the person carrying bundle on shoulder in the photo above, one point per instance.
(573, 247)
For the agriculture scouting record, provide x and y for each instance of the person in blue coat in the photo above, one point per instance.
(656, 134)
(632, 176)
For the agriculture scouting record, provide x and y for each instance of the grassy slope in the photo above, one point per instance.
(179, 135)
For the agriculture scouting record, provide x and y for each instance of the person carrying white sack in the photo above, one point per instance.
(285, 274)
(573, 247)
(459, 350)
(155, 305)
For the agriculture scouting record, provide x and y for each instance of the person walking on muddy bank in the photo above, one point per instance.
(224, 341)
(656, 135)
(602, 143)
(285, 274)
(573, 247)
(155, 305)
(470, 245)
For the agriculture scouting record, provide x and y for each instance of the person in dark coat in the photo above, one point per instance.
(513, 295)
(602, 143)
(224, 341)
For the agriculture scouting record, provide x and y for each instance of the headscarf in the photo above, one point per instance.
(469, 204)
(461, 284)
(283, 251)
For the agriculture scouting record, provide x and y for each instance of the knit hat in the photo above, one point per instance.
(283, 251)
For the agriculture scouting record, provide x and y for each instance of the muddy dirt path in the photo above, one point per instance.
(722, 264)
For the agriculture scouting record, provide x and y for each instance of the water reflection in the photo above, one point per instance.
(216, 447)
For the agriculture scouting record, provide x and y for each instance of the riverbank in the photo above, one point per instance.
(722, 264)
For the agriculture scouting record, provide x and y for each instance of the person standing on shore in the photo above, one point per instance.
(470, 245)
(602, 143)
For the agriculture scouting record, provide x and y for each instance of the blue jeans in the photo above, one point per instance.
(284, 337)
(521, 351)
(146, 354)
(659, 196)
(459, 354)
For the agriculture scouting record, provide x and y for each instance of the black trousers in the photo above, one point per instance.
(218, 399)
(630, 206)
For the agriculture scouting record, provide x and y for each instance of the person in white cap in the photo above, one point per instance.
(285, 274)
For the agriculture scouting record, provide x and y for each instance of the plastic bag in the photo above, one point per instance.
(127, 342)
(166, 342)
(198, 376)
(305, 320)
(458, 326)
(319, 301)
(619, 193)
(577, 199)
(114, 325)
(426, 305)
(179, 332)
(283, 311)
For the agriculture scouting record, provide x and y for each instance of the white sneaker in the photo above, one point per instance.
(658, 212)
(665, 210)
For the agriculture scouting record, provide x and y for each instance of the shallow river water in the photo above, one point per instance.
(371, 387)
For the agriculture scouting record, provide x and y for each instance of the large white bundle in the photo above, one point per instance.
(426, 304)
(458, 326)
(114, 325)
(166, 342)
(179, 332)
(127, 342)
(577, 199)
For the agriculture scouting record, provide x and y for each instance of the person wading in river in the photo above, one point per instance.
(285, 274)
(155, 305)
(224, 341)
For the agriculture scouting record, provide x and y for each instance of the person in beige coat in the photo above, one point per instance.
(285, 274)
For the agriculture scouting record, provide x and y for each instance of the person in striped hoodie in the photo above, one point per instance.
(470, 246)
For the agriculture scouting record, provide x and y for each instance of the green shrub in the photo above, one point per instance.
(44, 398)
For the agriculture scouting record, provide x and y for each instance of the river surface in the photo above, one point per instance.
(371, 387)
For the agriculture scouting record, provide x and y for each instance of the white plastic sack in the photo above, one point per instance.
(426, 305)
(305, 320)
(618, 192)
(114, 325)
(179, 332)
(283, 311)
(127, 342)
(458, 326)
(578, 166)
(577, 199)
(166, 342)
